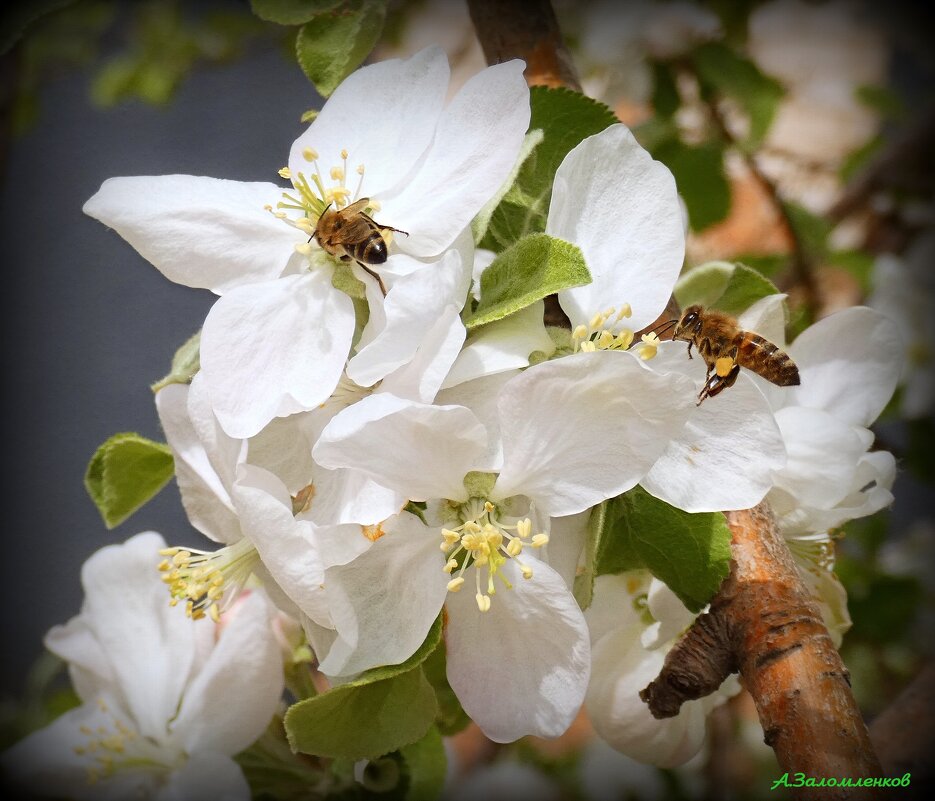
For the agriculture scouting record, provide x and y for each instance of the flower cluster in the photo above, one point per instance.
(376, 464)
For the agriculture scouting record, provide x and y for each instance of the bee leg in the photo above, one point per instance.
(717, 384)
(689, 349)
(367, 270)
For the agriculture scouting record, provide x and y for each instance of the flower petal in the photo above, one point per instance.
(206, 500)
(273, 349)
(534, 634)
(384, 602)
(476, 144)
(621, 208)
(199, 232)
(412, 307)
(567, 536)
(231, 701)
(581, 429)
(725, 455)
(849, 364)
(823, 453)
(502, 345)
(205, 776)
(419, 450)
(384, 115)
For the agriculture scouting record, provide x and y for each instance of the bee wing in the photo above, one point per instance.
(357, 229)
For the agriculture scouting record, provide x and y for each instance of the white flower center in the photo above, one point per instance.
(599, 334)
(313, 194)
(208, 581)
(484, 541)
(110, 748)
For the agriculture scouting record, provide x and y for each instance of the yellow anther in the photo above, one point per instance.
(360, 169)
(524, 528)
(304, 248)
(483, 602)
(625, 339)
(605, 340)
(488, 507)
(539, 540)
(285, 172)
(343, 153)
(597, 321)
(581, 332)
(515, 547)
(309, 154)
(451, 537)
(214, 613)
(164, 566)
(625, 311)
(527, 571)
(588, 347)
(450, 565)
(455, 584)
(337, 174)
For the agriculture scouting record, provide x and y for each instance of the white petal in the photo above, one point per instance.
(347, 496)
(535, 636)
(478, 138)
(206, 776)
(823, 454)
(849, 364)
(767, 317)
(421, 451)
(621, 208)
(725, 455)
(295, 552)
(284, 447)
(384, 602)
(567, 536)
(621, 668)
(581, 429)
(412, 307)
(670, 613)
(199, 232)
(422, 377)
(384, 115)
(148, 643)
(480, 396)
(269, 350)
(234, 696)
(206, 500)
(502, 345)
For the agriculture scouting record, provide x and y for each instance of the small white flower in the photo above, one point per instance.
(277, 340)
(166, 701)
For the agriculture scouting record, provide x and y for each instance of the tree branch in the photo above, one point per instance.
(764, 624)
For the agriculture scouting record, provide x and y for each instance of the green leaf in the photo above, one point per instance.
(363, 720)
(665, 99)
(124, 473)
(426, 766)
(333, 44)
(699, 175)
(292, 12)
(536, 266)
(565, 119)
(689, 552)
(451, 717)
(185, 363)
(726, 72)
(729, 287)
(382, 710)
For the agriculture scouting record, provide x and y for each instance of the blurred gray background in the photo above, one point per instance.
(88, 324)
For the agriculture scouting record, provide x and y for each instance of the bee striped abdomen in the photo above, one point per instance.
(371, 250)
(767, 360)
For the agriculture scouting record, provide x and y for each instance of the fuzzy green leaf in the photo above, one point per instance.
(689, 552)
(729, 287)
(426, 767)
(292, 12)
(565, 119)
(333, 44)
(185, 363)
(382, 710)
(126, 472)
(536, 266)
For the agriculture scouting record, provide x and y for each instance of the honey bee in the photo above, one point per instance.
(726, 347)
(349, 233)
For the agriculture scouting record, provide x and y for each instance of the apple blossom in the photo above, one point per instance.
(166, 701)
(277, 340)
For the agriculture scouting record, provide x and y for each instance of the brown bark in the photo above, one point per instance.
(763, 623)
(525, 29)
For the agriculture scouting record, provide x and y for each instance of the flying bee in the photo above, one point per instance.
(726, 347)
(349, 233)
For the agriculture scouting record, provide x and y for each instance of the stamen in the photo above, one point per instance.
(309, 154)
(285, 172)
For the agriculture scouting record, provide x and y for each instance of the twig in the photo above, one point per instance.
(802, 264)
(763, 624)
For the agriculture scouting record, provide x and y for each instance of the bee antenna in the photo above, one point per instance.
(663, 327)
